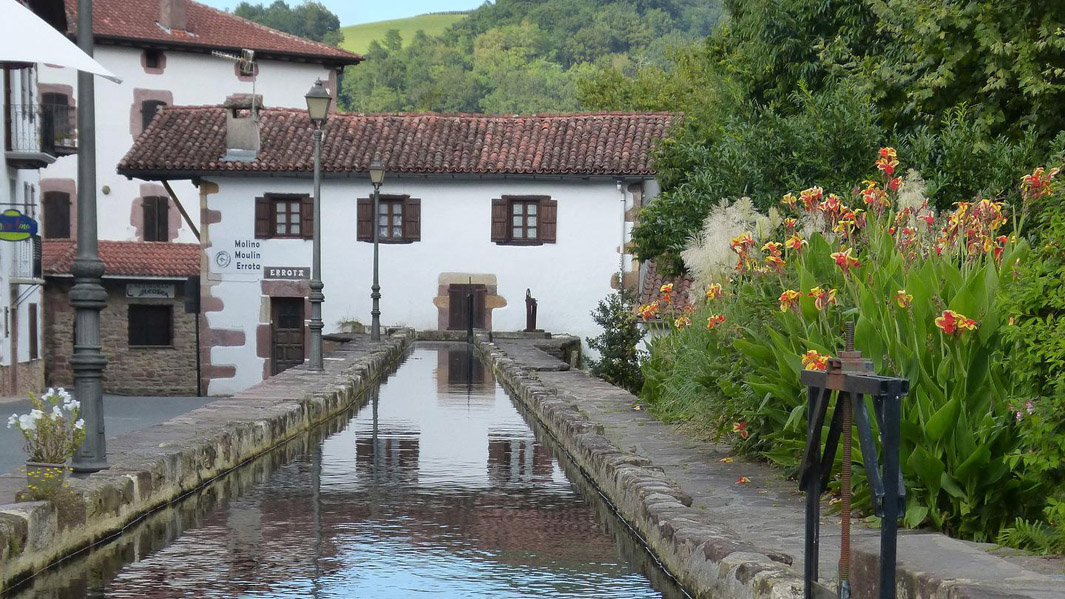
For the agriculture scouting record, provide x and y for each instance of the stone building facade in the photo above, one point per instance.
(148, 335)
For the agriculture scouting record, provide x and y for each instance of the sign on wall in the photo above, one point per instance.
(150, 290)
(290, 273)
(16, 226)
(236, 257)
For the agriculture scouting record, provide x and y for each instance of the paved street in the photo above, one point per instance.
(121, 415)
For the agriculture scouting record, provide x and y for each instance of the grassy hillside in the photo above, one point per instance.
(357, 38)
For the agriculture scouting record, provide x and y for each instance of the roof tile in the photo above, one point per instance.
(128, 258)
(192, 140)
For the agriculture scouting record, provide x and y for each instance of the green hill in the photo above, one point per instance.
(357, 38)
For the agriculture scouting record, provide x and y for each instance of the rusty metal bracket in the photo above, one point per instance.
(848, 380)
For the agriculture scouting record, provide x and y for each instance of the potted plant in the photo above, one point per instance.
(53, 433)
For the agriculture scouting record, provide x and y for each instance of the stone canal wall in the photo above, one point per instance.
(153, 467)
(727, 540)
(706, 560)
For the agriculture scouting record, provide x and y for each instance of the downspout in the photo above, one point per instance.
(621, 248)
(181, 209)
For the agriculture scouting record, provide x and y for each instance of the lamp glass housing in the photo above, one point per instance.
(377, 172)
(318, 101)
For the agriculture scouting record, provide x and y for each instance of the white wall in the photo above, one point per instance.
(194, 79)
(568, 278)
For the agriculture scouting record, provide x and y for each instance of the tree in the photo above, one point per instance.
(311, 19)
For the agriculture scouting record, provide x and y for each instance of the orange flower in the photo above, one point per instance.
(788, 200)
(813, 360)
(776, 262)
(845, 260)
(795, 243)
(887, 161)
(772, 248)
(790, 223)
(904, 300)
(667, 288)
(740, 428)
(1038, 184)
(743, 480)
(810, 198)
(823, 298)
(713, 321)
(741, 243)
(713, 292)
(789, 300)
(648, 311)
(954, 323)
(683, 322)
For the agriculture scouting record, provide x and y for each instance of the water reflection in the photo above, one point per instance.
(436, 487)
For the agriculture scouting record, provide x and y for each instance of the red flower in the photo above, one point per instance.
(813, 360)
(954, 323)
(845, 260)
(740, 428)
(713, 321)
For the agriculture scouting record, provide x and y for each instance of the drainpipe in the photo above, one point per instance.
(621, 248)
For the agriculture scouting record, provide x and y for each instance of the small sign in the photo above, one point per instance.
(236, 256)
(16, 226)
(291, 273)
(150, 290)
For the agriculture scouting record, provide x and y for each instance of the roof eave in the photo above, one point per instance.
(158, 175)
(135, 42)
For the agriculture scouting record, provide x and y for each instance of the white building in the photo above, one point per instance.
(502, 204)
(166, 52)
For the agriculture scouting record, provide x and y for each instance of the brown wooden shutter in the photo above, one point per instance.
(548, 219)
(307, 217)
(263, 218)
(499, 220)
(412, 219)
(364, 220)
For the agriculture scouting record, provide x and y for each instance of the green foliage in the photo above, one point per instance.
(517, 56)
(310, 19)
(969, 464)
(619, 360)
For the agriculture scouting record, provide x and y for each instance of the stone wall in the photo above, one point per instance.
(130, 370)
(30, 378)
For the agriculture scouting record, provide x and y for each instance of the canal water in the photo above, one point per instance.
(436, 485)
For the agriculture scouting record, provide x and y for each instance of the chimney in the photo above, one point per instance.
(242, 127)
(172, 14)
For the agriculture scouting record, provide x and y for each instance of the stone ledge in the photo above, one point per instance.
(706, 561)
(152, 467)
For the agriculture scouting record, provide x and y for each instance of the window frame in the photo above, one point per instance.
(503, 215)
(525, 239)
(410, 216)
(145, 121)
(288, 201)
(51, 197)
(390, 205)
(140, 334)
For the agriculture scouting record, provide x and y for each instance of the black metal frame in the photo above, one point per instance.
(889, 493)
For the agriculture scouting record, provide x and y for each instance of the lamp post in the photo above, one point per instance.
(88, 296)
(377, 177)
(318, 100)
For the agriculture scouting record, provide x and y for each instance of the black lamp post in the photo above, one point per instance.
(318, 101)
(377, 177)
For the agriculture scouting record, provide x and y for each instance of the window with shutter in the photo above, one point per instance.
(56, 215)
(398, 219)
(284, 216)
(150, 325)
(524, 220)
(156, 218)
(149, 108)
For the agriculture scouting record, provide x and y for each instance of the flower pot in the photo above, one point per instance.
(45, 479)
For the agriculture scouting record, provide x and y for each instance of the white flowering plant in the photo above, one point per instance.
(52, 429)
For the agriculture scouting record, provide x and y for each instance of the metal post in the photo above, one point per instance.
(316, 296)
(88, 296)
(812, 549)
(889, 524)
(375, 313)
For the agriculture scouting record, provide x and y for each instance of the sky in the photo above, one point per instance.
(354, 12)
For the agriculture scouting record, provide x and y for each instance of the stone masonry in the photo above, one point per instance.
(130, 371)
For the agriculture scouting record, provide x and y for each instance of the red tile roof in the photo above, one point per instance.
(191, 140)
(127, 258)
(207, 28)
(650, 291)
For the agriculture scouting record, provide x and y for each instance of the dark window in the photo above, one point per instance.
(33, 331)
(524, 220)
(149, 108)
(283, 216)
(156, 218)
(150, 325)
(56, 215)
(399, 219)
(153, 59)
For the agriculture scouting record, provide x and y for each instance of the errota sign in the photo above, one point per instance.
(16, 226)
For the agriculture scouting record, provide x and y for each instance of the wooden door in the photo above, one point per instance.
(459, 297)
(286, 325)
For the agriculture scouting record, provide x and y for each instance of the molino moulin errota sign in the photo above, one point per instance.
(242, 259)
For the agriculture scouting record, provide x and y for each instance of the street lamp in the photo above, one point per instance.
(318, 101)
(377, 177)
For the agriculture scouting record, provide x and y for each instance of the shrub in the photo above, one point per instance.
(618, 362)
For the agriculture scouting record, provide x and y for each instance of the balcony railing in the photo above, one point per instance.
(49, 129)
(27, 259)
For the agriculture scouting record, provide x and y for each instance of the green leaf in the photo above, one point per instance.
(928, 469)
(951, 487)
(915, 514)
(943, 421)
(974, 463)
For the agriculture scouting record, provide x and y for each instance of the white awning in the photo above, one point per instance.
(25, 37)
